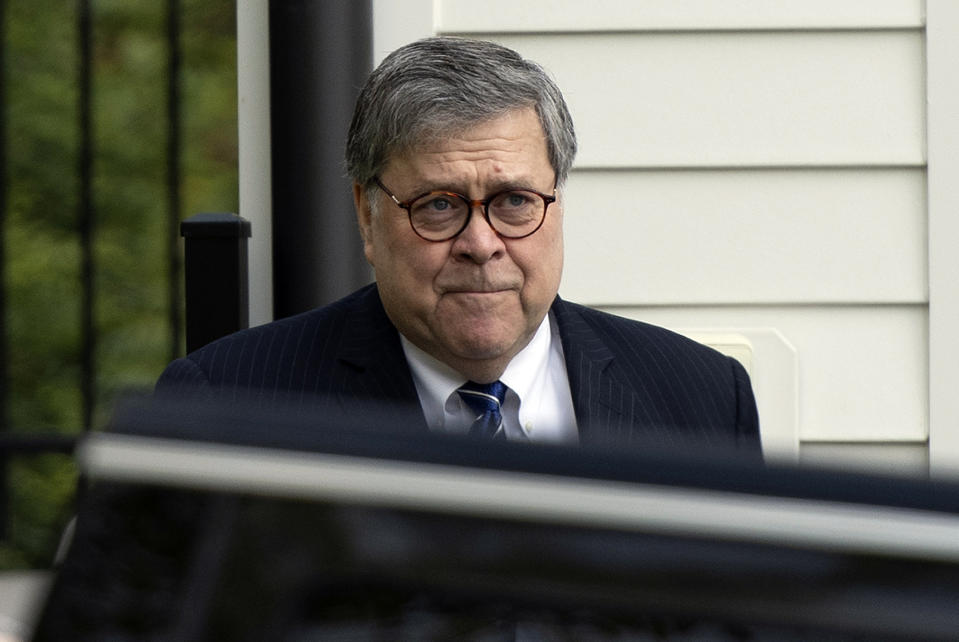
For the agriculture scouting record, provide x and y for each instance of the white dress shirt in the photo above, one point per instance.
(538, 405)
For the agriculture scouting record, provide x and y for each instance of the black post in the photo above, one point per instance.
(320, 55)
(217, 283)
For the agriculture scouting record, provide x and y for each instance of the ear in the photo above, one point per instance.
(364, 218)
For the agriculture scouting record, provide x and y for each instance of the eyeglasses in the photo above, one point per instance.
(440, 216)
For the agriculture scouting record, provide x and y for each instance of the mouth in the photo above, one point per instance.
(476, 291)
(477, 286)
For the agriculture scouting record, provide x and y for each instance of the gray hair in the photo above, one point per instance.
(440, 86)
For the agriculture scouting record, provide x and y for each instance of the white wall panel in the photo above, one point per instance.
(862, 370)
(943, 53)
(254, 164)
(397, 22)
(468, 16)
(735, 99)
(746, 236)
(901, 458)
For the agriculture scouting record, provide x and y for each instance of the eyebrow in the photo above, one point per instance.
(494, 188)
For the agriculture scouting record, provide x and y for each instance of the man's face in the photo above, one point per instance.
(473, 302)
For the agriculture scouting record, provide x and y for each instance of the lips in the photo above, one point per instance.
(467, 286)
(475, 291)
(478, 283)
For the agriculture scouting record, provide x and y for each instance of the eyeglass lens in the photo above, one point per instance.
(513, 213)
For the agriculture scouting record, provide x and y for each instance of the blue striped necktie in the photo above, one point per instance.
(486, 400)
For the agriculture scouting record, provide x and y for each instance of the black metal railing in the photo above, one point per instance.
(16, 441)
(217, 295)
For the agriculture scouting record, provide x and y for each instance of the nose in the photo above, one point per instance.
(478, 242)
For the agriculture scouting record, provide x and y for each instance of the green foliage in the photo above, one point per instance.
(210, 162)
(42, 247)
(132, 268)
(45, 487)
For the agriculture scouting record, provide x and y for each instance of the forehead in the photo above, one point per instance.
(510, 146)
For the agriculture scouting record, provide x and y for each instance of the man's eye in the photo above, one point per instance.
(512, 201)
(440, 204)
(516, 199)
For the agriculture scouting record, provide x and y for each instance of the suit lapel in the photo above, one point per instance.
(373, 368)
(604, 404)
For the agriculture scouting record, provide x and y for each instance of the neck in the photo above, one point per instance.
(481, 372)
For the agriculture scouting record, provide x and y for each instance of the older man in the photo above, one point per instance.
(459, 151)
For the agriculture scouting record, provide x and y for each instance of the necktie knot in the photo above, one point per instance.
(486, 400)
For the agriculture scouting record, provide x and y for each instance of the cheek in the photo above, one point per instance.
(404, 260)
(547, 260)
(557, 249)
(543, 269)
(382, 245)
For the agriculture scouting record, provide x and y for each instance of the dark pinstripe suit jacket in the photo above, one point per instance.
(631, 382)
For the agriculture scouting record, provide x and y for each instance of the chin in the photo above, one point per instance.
(485, 348)
(482, 351)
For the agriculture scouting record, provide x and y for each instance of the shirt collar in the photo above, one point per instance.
(523, 370)
(436, 382)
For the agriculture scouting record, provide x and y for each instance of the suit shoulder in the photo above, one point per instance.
(680, 387)
(331, 317)
(631, 335)
(278, 345)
